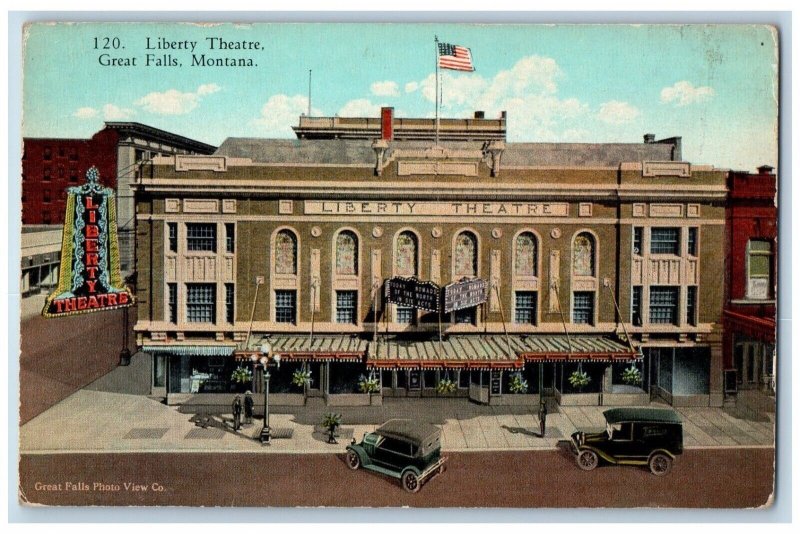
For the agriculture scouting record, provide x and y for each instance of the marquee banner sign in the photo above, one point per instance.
(465, 294)
(413, 293)
(89, 278)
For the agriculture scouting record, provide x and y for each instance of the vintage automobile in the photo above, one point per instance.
(633, 436)
(400, 448)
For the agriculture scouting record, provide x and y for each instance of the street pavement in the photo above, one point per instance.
(99, 418)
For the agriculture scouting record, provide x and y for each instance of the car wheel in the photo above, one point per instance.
(588, 460)
(353, 460)
(660, 464)
(410, 482)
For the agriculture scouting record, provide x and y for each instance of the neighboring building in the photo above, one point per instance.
(749, 317)
(40, 255)
(50, 166)
(591, 252)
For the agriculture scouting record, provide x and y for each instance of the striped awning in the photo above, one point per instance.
(174, 349)
(550, 348)
(317, 348)
(466, 352)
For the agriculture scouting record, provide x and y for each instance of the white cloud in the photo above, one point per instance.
(385, 88)
(85, 113)
(360, 107)
(684, 93)
(174, 102)
(281, 111)
(116, 113)
(411, 87)
(617, 112)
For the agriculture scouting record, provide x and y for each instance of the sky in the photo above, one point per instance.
(716, 86)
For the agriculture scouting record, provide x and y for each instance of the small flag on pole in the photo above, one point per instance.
(455, 57)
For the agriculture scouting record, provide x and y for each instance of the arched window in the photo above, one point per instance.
(285, 253)
(405, 257)
(583, 255)
(525, 261)
(466, 255)
(346, 253)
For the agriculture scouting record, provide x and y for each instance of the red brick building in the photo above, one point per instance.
(51, 165)
(749, 315)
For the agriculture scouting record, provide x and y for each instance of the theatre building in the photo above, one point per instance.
(487, 270)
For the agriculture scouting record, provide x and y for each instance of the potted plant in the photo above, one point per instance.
(331, 421)
(445, 386)
(242, 375)
(301, 377)
(632, 376)
(369, 384)
(579, 380)
(517, 384)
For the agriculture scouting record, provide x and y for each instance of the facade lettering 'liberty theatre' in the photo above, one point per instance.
(602, 266)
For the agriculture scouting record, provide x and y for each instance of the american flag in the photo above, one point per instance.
(455, 57)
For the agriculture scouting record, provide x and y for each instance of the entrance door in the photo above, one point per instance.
(479, 386)
(315, 389)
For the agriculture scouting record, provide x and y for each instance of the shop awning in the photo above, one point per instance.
(466, 352)
(318, 348)
(174, 349)
(551, 348)
(759, 328)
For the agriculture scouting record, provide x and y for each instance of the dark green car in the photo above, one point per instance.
(400, 448)
(633, 436)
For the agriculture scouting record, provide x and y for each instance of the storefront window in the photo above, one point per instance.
(344, 377)
(285, 253)
(346, 253)
(525, 261)
(465, 257)
(594, 371)
(583, 255)
(405, 257)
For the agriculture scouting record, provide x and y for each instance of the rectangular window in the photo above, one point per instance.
(346, 307)
(759, 269)
(637, 240)
(230, 237)
(201, 237)
(46, 175)
(201, 303)
(583, 307)
(404, 315)
(691, 305)
(172, 303)
(285, 306)
(525, 307)
(465, 316)
(229, 308)
(691, 243)
(73, 154)
(636, 306)
(663, 305)
(172, 228)
(45, 195)
(665, 241)
(48, 154)
(73, 176)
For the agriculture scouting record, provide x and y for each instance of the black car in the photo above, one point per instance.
(400, 448)
(633, 436)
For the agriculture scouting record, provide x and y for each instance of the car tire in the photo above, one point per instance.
(410, 482)
(353, 460)
(587, 460)
(660, 464)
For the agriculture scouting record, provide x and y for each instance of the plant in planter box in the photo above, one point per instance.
(632, 376)
(445, 385)
(517, 384)
(369, 384)
(331, 421)
(242, 375)
(579, 380)
(301, 377)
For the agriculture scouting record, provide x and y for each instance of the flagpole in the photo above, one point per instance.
(436, 96)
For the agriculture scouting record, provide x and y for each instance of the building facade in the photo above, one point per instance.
(50, 166)
(601, 263)
(749, 315)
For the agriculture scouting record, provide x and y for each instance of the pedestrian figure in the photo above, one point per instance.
(248, 408)
(542, 418)
(237, 413)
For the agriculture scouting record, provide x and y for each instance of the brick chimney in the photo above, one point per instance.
(765, 169)
(649, 138)
(479, 114)
(387, 123)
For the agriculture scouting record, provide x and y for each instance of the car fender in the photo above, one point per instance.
(602, 454)
(662, 451)
(362, 454)
(412, 469)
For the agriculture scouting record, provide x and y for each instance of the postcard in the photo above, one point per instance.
(386, 265)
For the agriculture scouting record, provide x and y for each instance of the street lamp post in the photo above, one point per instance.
(266, 349)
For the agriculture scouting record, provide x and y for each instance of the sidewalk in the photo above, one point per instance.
(99, 421)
